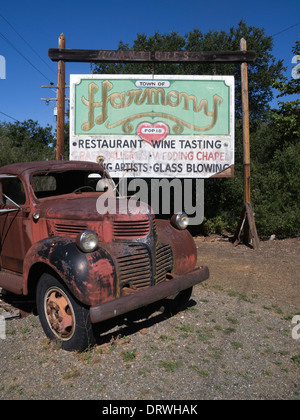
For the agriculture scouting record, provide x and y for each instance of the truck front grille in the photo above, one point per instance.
(135, 269)
(68, 229)
(164, 262)
(124, 229)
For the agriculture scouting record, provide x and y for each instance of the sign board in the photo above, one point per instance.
(154, 126)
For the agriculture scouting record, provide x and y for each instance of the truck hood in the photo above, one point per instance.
(92, 208)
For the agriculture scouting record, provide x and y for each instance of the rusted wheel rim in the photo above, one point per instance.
(59, 313)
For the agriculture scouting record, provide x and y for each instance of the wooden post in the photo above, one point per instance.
(247, 221)
(60, 122)
(246, 137)
(246, 129)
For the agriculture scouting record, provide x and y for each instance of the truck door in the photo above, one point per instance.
(14, 239)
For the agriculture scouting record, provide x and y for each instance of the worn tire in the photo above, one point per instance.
(63, 318)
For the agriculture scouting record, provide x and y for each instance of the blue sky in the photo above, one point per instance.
(101, 25)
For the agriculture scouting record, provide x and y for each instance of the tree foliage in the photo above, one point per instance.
(25, 141)
(275, 170)
(287, 118)
(282, 170)
(262, 73)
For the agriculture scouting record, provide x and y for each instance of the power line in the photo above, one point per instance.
(22, 55)
(27, 43)
(8, 116)
(286, 29)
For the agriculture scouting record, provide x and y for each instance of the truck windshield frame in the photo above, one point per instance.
(57, 183)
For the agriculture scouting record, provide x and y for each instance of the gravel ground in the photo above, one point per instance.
(234, 340)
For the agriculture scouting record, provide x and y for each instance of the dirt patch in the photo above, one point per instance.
(234, 341)
(272, 272)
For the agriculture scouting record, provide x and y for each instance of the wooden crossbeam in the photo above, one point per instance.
(95, 56)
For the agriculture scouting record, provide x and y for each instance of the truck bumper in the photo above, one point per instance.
(145, 297)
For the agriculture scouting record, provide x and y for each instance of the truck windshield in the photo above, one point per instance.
(52, 184)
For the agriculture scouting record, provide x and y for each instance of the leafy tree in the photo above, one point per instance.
(287, 118)
(29, 131)
(25, 141)
(262, 73)
(276, 164)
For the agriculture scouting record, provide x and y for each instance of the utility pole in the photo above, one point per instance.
(60, 122)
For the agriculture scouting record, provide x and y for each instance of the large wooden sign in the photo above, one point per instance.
(154, 126)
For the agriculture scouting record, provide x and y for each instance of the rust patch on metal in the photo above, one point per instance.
(183, 246)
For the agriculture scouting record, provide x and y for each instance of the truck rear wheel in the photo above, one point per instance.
(63, 318)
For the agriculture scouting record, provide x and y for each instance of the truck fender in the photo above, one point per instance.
(182, 244)
(91, 277)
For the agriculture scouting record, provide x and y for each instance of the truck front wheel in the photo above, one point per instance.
(63, 318)
(180, 302)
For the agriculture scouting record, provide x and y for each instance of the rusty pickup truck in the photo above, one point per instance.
(84, 267)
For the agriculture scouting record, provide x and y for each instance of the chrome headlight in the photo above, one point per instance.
(87, 241)
(180, 221)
